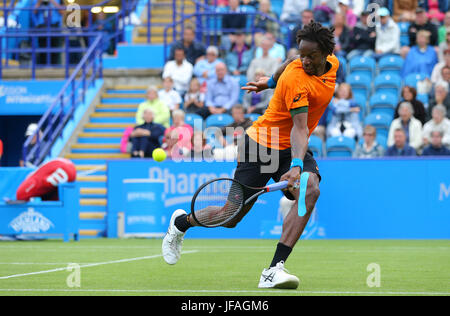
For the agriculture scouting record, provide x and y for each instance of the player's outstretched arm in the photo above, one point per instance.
(262, 83)
(299, 146)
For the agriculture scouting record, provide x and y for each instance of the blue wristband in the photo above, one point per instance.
(297, 162)
(271, 83)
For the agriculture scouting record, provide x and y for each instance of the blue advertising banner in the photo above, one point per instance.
(143, 207)
(31, 97)
(370, 199)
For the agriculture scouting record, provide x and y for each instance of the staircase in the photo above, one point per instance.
(100, 141)
(161, 16)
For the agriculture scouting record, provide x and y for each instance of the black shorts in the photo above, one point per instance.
(258, 164)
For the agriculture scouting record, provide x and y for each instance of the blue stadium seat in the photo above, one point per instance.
(383, 102)
(340, 146)
(388, 82)
(360, 83)
(277, 6)
(390, 64)
(218, 120)
(195, 120)
(362, 64)
(380, 121)
(412, 79)
(361, 100)
(315, 145)
(404, 37)
(343, 64)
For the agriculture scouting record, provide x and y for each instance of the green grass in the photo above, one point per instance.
(223, 267)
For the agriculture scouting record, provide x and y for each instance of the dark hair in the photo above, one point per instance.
(412, 90)
(323, 36)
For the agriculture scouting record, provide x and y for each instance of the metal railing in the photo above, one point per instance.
(38, 145)
(62, 45)
(209, 30)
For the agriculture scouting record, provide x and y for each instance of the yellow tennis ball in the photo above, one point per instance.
(159, 155)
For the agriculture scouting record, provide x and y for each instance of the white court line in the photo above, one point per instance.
(88, 265)
(293, 292)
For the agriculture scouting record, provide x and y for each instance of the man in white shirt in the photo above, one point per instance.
(180, 70)
(388, 35)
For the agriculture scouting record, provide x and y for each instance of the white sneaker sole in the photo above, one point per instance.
(291, 283)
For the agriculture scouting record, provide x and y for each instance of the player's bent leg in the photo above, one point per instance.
(294, 224)
(173, 240)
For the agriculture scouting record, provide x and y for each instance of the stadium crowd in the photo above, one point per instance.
(376, 52)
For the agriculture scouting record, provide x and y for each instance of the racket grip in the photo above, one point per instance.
(277, 186)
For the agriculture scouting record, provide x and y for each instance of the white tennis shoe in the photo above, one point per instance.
(173, 241)
(278, 278)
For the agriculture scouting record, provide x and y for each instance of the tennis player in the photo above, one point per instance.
(276, 146)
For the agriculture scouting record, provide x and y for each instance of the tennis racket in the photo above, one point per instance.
(218, 201)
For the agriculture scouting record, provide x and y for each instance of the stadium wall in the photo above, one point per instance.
(360, 199)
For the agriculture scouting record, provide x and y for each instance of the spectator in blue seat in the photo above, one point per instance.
(262, 23)
(444, 29)
(363, 39)
(421, 58)
(370, 148)
(440, 96)
(436, 148)
(240, 55)
(266, 62)
(257, 102)
(436, 75)
(388, 35)
(292, 10)
(400, 148)
(409, 94)
(324, 10)
(411, 126)
(350, 17)
(421, 23)
(276, 50)
(50, 18)
(205, 69)
(222, 91)
(438, 122)
(194, 50)
(194, 100)
(146, 137)
(345, 119)
(342, 35)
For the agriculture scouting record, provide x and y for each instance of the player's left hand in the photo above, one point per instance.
(257, 86)
(293, 178)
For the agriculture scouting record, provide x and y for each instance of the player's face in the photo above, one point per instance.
(312, 58)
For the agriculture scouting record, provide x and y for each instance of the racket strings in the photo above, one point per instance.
(217, 202)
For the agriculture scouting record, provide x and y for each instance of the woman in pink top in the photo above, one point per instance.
(352, 19)
(177, 138)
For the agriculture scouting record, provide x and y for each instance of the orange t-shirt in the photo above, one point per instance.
(295, 89)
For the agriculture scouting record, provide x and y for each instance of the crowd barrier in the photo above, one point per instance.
(360, 199)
